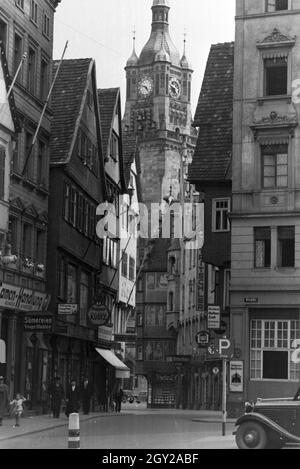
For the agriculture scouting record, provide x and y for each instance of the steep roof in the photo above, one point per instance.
(129, 153)
(158, 259)
(109, 103)
(108, 99)
(212, 158)
(67, 99)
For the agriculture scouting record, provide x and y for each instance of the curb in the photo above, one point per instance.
(204, 420)
(33, 432)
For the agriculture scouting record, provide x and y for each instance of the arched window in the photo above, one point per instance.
(171, 301)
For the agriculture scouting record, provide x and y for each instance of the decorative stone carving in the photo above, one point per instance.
(274, 118)
(276, 38)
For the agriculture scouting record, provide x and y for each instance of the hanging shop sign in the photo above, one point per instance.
(200, 284)
(67, 309)
(236, 373)
(99, 315)
(105, 333)
(202, 338)
(38, 323)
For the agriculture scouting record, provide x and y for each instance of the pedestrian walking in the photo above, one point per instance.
(72, 399)
(119, 398)
(45, 398)
(86, 394)
(17, 408)
(4, 401)
(56, 392)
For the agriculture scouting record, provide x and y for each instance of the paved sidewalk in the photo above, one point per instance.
(40, 423)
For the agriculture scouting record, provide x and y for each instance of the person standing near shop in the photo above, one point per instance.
(56, 392)
(4, 401)
(73, 399)
(86, 394)
(119, 398)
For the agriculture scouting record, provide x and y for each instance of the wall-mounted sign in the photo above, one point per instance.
(9, 296)
(179, 358)
(23, 299)
(67, 309)
(251, 300)
(2, 351)
(236, 373)
(105, 333)
(33, 301)
(99, 315)
(38, 323)
(202, 338)
(200, 284)
(214, 317)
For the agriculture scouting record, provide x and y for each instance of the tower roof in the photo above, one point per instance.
(162, 55)
(160, 25)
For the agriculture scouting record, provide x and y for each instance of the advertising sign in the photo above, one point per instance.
(214, 317)
(2, 351)
(38, 323)
(202, 338)
(67, 309)
(236, 373)
(105, 333)
(32, 301)
(9, 296)
(200, 284)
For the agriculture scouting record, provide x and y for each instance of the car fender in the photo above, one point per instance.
(270, 424)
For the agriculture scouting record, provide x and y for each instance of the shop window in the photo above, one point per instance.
(286, 246)
(277, 5)
(275, 166)
(271, 348)
(71, 284)
(276, 76)
(262, 247)
(221, 208)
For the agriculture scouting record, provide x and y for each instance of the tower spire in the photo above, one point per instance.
(184, 61)
(133, 60)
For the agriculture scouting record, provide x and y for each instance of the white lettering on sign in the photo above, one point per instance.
(224, 344)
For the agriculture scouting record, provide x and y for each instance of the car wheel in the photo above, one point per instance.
(251, 435)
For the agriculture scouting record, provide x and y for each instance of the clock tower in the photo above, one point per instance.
(158, 108)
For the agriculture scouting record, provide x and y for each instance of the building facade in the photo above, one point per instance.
(211, 173)
(265, 207)
(27, 27)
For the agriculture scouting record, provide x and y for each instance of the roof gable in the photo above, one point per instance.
(68, 100)
(214, 116)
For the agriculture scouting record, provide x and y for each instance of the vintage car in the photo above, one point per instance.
(269, 423)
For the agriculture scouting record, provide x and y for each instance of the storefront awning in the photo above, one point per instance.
(122, 371)
(2, 352)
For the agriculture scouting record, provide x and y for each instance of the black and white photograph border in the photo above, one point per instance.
(149, 242)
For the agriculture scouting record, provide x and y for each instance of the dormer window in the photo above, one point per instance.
(277, 5)
(276, 76)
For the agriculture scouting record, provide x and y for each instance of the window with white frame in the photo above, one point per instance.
(271, 349)
(275, 166)
(220, 220)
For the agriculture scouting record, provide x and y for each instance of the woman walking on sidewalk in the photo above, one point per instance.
(4, 401)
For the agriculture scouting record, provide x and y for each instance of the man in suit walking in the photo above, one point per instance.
(86, 394)
(73, 398)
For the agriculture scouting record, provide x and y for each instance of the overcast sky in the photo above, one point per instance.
(102, 29)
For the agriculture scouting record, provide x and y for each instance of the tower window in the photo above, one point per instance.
(276, 76)
(277, 5)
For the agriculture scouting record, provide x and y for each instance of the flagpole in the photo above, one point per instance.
(44, 109)
(24, 56)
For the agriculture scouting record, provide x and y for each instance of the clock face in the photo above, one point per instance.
(174, 88)
(145, 86)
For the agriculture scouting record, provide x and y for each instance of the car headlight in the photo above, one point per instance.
(249, 407)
